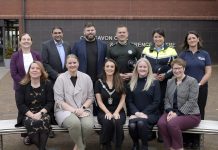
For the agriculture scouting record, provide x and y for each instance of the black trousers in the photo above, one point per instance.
(202, 99)
(139, 128)
(112, 129)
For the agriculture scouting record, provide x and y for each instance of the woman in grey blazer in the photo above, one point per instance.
(73, 94)
(181, 108)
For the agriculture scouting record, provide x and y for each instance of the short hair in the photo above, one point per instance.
(57, 27)
(159, 31)
(23, 35)
(178, 61)
(122, 26)
(89, 24)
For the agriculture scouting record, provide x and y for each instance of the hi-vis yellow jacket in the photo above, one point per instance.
(160, 61)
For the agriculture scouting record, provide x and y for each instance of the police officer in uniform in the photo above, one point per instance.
(160, 56)
(124, 53)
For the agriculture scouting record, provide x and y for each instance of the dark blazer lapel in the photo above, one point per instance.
(66, 53)
(55, 50)
(65, 49)
(83, 49)
(21, 63)
(99, 46)
(33, 55)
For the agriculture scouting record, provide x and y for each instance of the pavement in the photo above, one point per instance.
(62, 141)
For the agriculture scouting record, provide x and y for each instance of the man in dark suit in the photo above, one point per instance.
(54, 53)
(91, 53)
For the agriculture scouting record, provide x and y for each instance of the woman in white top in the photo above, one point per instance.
(20, 62)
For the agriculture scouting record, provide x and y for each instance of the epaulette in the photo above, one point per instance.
(133, 44)
(113, 44)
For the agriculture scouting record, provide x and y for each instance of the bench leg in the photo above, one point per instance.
(201, 141)
(1, 142)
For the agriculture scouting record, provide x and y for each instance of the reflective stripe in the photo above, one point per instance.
(159, 55)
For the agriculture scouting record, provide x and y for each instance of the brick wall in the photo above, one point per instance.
(112, 9)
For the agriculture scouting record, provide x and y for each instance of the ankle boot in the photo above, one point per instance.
(135, 146)
(144, 147)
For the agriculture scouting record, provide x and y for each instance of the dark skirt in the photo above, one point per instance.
(34, 126)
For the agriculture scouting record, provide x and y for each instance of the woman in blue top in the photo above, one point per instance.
(198, 66)
(143, 98)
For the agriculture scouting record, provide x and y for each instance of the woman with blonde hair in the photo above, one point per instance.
(73, 94)
(34, 100)
(143, 98)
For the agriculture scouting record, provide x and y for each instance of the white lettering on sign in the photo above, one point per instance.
(105, 38)
(111, 40)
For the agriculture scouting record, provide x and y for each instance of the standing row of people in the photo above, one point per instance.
(115, 80)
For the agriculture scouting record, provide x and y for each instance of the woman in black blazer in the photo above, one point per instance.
(34, 101)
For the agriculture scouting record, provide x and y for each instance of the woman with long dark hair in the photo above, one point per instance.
(199, 67)
(110, 95)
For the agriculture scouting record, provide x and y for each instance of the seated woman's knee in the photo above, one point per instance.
(132, 125)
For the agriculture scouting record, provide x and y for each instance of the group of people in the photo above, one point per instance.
(68, 86)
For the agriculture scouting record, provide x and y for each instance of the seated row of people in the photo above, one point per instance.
(73, 94)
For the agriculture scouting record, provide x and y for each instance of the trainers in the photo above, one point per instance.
(26, 140)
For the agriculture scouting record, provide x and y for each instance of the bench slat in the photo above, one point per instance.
(205, 126)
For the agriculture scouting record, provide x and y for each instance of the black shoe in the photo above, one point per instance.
(118, 148)
(106, 147)
(144, 147)
(195, 146)
(135, 146)
(26, 140)
(159, 138)
(51, 134)
(151, 136)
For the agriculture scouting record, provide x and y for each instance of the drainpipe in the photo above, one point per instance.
(23, 15)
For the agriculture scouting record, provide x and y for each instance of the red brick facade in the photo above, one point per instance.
(111, 9)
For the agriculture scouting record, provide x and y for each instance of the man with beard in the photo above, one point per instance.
(91, 53)
(54, 53)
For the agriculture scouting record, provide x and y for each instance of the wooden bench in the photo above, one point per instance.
(7, 127)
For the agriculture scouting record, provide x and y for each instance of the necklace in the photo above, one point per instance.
(110, 99)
